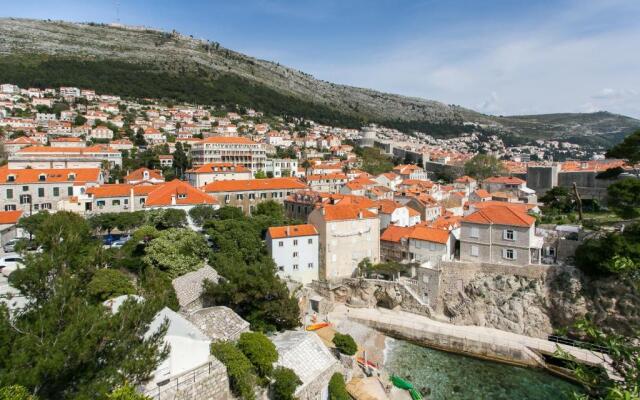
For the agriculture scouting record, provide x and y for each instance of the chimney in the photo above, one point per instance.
(323, 211)
(132, 203)
(287, 231)
(360, 214)
(173, 199)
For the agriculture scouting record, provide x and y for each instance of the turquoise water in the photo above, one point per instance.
(452, 376)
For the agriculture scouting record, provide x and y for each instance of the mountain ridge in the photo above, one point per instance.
(177, 55)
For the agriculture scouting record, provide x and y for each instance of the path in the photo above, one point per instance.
(477, 340)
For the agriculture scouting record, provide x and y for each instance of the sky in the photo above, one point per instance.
(497, 57)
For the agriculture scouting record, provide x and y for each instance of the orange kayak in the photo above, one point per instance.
(369, 363)
(315, 327)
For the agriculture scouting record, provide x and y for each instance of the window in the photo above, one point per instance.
(100, 203)
(310, 241)
(11, 178)
(25, 188)
(281, 268)
(263, 195)
(182, 195)
(474, 251)
(115, 202)
(509, 234)
(70, 191)
(227, 198)
(475, 232)
(10, 207)
(295, 267)
(280, 243)
(9, 193)
(295, 242)
(56, 191)
(295, 254)
(239, 197)
(509, 254)
(40, 192)
(45, 206)
(252, 196)
(310, 265)
(42, 177)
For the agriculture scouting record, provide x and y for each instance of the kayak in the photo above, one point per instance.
(406, 385)
(315, 327)
(370, 364)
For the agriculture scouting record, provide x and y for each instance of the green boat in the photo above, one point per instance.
(406, 385)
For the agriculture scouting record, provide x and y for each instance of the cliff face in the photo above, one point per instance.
(538, 306)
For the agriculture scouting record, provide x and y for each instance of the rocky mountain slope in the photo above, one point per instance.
(39, 45)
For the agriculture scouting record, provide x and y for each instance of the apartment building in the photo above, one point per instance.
(229, 149)
(31, 190)
(247, 194)
(280, 167)
(329, 183)
(37, 157)
(204, 174)
(500, 234)
(294, 250)
(348, 235)
(510, 189)
(418, 244)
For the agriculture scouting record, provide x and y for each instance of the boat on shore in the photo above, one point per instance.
(406, 385)
(315, 327)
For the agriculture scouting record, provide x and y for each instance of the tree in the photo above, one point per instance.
(628, 149)
(306, 165)
(624, 354)
(242, 378)
(180, 160)
(177, 251)
(558, 200)
(260, 351)
(126, 392)
(33, 223)
(202, 213)
(15, 392)
(139, 139)
(260, 175)
(64, 344)
(624, 197)
(168, 218)
(337, 388)
(285, 384)
(270, 209)
(483, 166)
(345, 344)
(109, 283)
(602, 255)
(79, 120)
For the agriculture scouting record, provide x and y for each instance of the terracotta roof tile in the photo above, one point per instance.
(10, 217)
(278, 232)
(500, 215)
(343, 212)
(184, 194)
(246, 185)
(51, 175)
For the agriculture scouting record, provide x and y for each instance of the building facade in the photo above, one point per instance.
(294, 249)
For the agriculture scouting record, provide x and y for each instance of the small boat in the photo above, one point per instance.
(368, 363)
(406, 385)
(315, 327)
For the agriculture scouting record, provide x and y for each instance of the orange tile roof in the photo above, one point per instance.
(521, 207)
(120, 190)
(218, 167)
(465, 179)
(138, 175)
(184, 194)
(413, 213)
(66, 150)
(278, 232)
(500, 215)
(229, 140)
(591, 165)
(446, 222)
(482, 193)
(429, 234)
(504, 180)
(388, 206)
(66, 139)
(246, 185)
(10, 217)
(52, 175)
(326, 176)
(342, 212)
(395, 233)
(22, 140)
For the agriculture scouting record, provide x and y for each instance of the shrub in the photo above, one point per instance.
(345, 344)
(241, 374)
(126, 392)
(109, 283)
(15, 392)
(259, 350)
(285, 383)
(337, 388)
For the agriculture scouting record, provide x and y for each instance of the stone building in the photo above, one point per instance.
(189, 289)
(219, 323)
(310, 359)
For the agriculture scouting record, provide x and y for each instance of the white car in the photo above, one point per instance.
(10, 246)
(9, 263)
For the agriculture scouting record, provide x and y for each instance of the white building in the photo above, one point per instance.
(294, 249)
(280, 167)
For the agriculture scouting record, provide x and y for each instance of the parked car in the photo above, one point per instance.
(10, 246)
(9, 263)
(120, 242)
(108, 240)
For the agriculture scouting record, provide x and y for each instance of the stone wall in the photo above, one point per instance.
(207, 382)
(318, 388)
